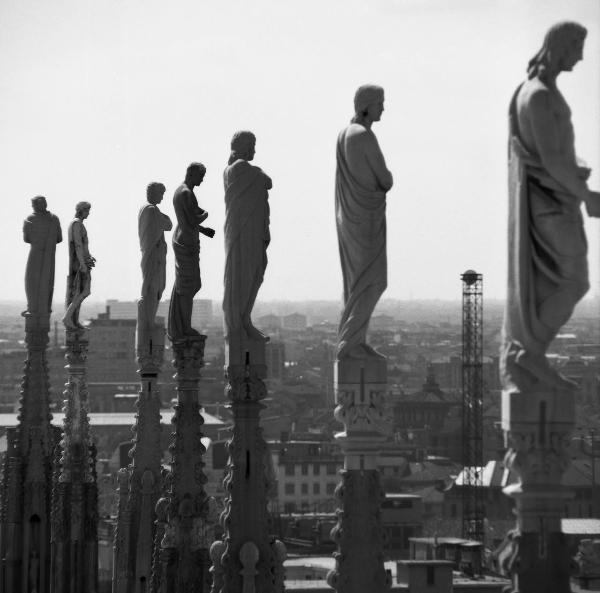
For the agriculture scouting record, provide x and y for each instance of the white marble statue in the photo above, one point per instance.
(361, 182)
(246, 235)
(80, 266)
(547, 259)
(152, 224)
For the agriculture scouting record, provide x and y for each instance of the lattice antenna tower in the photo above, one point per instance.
(472, 406)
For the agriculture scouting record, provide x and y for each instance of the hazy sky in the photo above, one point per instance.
(99, 98)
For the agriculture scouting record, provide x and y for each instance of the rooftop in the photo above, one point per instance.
(109, 419)
(580, 526)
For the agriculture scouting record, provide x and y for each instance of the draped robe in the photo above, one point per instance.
(547, 259)
(246, 240)
(361, 228)
(152, 224)
(42, 230)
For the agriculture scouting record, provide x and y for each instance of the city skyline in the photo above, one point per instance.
(99, 100)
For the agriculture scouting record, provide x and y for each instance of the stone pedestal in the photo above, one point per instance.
(75, 491)
(537, 428)
(248, 559)
(27, 474)
(140, 482)
(181, 555)
(360, 386)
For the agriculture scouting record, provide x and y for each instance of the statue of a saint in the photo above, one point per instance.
(80, 265)
(547, 247)
(246, 235)
(42, 231)
(361, 182)
(186, 246)
(152, 224)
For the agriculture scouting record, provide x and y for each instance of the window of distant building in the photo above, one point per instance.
(304, 488)
(316, 469)
(430, 575)
(289, 469)
(316, 488)
(290, 489)
(304, 468)
(330, 487)
(289, 507)
(331, 469)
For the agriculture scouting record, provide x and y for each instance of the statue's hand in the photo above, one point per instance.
(592, 204)
(584, 173)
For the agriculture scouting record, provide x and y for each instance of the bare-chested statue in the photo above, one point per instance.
(42, 231)
(186, 246)
(80, 265)
(361, 182)
(547, 259)
(152, 224)
(246, 236)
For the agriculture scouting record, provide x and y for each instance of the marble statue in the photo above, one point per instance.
(80, 266)
(186, 247)
(547, 247)
(42, 231)
(361, 182)
(152, 224)
(246, 236)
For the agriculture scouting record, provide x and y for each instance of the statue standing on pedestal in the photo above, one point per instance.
(186, 246)
(152, 224)
(547, 259)
(42, 231)
(246, 235)
(80, 266)
(361, 182)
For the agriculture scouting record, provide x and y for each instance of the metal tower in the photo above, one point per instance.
(472, 405)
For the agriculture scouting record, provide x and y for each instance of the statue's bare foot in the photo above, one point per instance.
(371, 352)
(192, 333)
(567, 383)
(68, 323)
(541, 370)
(255, 334)
(357, 352)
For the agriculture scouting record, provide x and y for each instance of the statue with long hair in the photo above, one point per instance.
(547, 247)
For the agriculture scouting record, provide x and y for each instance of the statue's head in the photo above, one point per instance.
(243, 146)
(82, 210)
(561, 50)
(39, 204)
(195, 173)
(368, 103)
(155, 192)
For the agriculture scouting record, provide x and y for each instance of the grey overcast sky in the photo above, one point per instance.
(99, 98)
